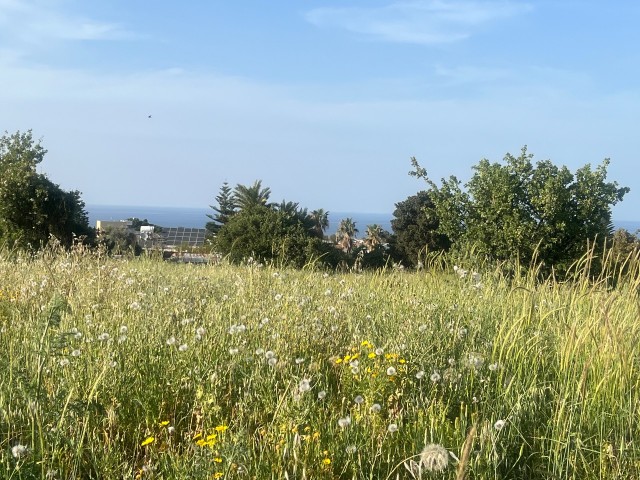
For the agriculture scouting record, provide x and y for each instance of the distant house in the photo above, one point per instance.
(104, 225)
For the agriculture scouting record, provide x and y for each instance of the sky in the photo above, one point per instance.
(159, 103)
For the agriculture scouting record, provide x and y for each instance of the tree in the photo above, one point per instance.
(32, 208)
(518, 209)
(320, 219)
(415, 228)
(224, 210)
(346, 234)
(270, 234)
(245, 197)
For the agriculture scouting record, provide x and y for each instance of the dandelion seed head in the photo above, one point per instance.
(434, 458)
(171, 341)
(64, 362)
(351, 449)
(391, 371)
(259, 351)
(299, 360)
(233, 351)
(124, 329)
(103, 337)
(344, 422)
(435, 377)
(379, 351)
(278, 297)
(75, 353)
(493, 367)
(272, 361)
(200, 331)
(375, 408)
(183, 347)
(392, 428)
(499, 425)
(19, 451)
(321, 394)
(304, 385)
(359, 400)
(420, 375)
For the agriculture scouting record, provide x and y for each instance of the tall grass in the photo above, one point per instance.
(144, 369)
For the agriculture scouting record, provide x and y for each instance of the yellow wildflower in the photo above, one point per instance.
(221, 428)
(217, 459)
(147, 441)
(164, 423)
(326, 461)
(218, 475)
(371, 355)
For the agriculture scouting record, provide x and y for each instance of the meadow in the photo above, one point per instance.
(144, 369)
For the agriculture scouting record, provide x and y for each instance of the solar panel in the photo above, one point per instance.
(177, 236)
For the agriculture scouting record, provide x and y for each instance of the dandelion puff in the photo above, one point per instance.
(355, 370)
(493, 367)
(379, 351)
(344, 422)
(19, 451)
(64, 362)
(499, 425)
(435, 377)
(270, 354)
(321, 394)
(299, 360)
(75, 353)
(359, 400)
(351, 449)
(183, 347)
(420, 375)
(124, 329)
(278, 297)
(272, 361)
(434, 458)
(103, 337)
(233, 351)
(171, 341)
(392, 428)
(375, 408)
(391, 371)
(200, 331)
(304, 385)
(259, 351)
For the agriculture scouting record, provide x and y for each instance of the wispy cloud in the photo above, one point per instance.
(28, 24)
(422, 21)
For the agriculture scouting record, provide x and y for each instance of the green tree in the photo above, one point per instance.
(518, 209)
(270, 234)
(224, 210)
(320, 219)
(415, 227)
(245, 197)
(32, 208)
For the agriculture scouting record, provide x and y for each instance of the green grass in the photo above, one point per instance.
(124, 369)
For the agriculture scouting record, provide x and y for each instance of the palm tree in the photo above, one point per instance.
(245, 197)
(346, 234)
(375, 236)
(320, 219)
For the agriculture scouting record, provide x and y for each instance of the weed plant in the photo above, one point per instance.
(145, 369)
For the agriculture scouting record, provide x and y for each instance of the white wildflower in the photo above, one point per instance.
(434, 458)
(344, 422)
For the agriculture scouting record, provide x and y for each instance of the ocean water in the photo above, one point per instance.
(197, 217)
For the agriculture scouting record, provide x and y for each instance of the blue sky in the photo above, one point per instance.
(324, 101)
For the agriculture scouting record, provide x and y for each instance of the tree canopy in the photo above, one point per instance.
(32, 208)
(518, 209)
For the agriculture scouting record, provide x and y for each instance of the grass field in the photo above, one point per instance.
(144, 369)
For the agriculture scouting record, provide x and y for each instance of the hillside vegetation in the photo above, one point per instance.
(144, 369)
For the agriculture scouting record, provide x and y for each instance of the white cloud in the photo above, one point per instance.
(28, 25)
(424, 22)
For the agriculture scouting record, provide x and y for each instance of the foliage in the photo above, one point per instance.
(415, 228)
(140, 368)
(255, 195)
(225, 209)
(320, 219)
(282, 235)
(32, 208)
(346, 234)
(525, 211)
(119, 241)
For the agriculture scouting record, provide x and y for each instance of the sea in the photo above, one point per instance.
(197, 217)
